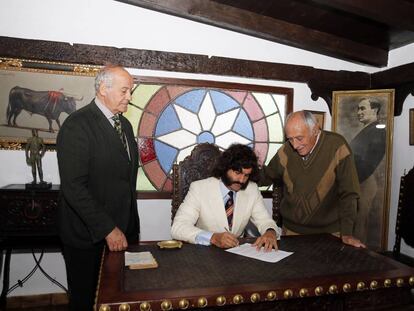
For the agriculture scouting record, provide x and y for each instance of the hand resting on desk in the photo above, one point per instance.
(268, 240)
(350, 240)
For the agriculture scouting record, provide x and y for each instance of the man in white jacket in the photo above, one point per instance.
(217, 209)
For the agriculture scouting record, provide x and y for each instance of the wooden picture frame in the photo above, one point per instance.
(411, 127)
(40, 95)
(365, 119)
(320, 117)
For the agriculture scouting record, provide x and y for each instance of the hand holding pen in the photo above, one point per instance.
(224, 239)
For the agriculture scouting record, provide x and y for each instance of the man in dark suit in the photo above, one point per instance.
(368, 147)
(98, 164)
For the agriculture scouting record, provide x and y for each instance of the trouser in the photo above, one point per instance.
(82, 270)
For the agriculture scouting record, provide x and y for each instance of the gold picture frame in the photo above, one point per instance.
(411, 127)
(365, 119)
(320, 117)
(40, 95)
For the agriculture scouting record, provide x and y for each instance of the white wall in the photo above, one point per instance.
(403, 153)
(110, 23)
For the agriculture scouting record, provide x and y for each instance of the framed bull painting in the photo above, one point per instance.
(40, 95)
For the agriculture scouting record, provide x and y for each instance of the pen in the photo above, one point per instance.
(227, 230)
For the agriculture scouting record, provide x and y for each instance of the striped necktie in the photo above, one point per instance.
(118, 129)
(229, 206)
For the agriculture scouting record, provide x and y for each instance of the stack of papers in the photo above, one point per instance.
(248, 250)
(140, 260)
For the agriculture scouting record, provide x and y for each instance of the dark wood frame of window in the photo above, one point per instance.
(288, 92)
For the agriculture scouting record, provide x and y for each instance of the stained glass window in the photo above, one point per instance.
(169, 119)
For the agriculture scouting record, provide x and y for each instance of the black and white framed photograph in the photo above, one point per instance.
(365, 119)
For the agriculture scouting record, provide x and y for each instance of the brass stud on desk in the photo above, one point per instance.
(347, 287)
(124, 307)
(411, 280)
(221, 301)
(255, 297)
(373, 285)
(360, 286)
(319, 291)
(166, 305)
(288, 294)
(104, 308)
(303, 292)
(183, 304)
(202, 302)
(237, 299)
(400, 282)
(387, 283)
(145, 306)
(271, 295)
(333, 289)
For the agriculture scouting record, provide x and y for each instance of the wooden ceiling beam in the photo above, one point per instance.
(396, 13)
(228, 17)
(320, 81)
(177, 62)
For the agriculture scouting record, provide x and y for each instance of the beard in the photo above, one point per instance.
(228, 182)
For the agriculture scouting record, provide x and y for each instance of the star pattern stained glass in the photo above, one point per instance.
(169, 120)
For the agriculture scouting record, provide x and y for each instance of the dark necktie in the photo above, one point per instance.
(229, 206)
(118, 129)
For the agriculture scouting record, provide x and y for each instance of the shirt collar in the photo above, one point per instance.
(225, 191)
(108, 113)
(313, 148)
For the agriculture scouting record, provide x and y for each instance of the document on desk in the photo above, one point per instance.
(248, 250)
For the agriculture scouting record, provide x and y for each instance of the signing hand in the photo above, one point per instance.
(350, 240)
(116, 240)
(224, 240)
(268, 240)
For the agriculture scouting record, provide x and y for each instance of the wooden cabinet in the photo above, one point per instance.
(27, 221)
(27, 213)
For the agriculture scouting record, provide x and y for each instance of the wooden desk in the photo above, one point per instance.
(322, 274)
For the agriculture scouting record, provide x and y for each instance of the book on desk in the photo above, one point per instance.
(140, 260)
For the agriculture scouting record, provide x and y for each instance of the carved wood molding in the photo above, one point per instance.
(401, 79)
(321, 82)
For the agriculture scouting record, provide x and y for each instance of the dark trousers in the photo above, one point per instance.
(82, 270)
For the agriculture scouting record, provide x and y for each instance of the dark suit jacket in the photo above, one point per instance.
(98, 180)
(368, 147)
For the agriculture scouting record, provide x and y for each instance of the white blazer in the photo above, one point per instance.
(203, 210)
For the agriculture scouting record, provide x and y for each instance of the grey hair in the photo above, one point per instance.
(308, 119)
(104, 76)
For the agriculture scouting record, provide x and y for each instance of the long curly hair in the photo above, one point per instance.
(237, 157)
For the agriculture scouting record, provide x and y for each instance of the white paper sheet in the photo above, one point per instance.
(250, 251)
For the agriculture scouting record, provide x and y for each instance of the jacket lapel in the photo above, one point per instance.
(109, 132)
(239, 211)
(217, 204)
(130, 141)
